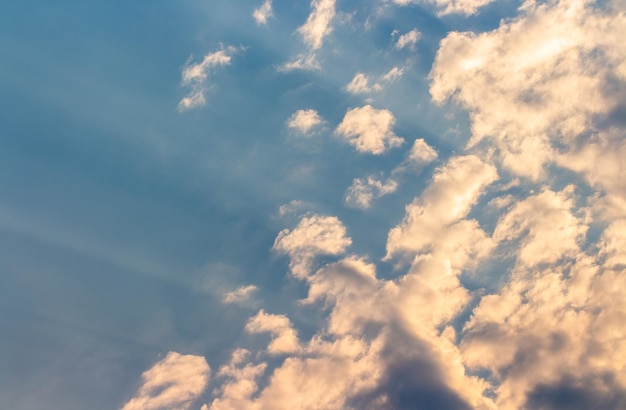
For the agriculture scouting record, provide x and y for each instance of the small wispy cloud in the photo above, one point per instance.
(240, 295)
(364, 191)
(195, 76)
(408, 40)
(316, 28)
(263, 13)
(361, 83)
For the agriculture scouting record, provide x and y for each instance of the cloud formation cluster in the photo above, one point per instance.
(545, 93)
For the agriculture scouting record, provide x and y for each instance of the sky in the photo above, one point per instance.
(325, 204)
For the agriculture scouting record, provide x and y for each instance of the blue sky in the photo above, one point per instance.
(460, 159)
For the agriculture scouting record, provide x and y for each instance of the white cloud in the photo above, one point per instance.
(421, 152)
(196, 75)
(455, 188)
(318, 24)
(369, 129)
(316, 28)
(174, 382)
(285, 337)
(393, 75)
(263, 13)
(408, 39)
(314, 236)
(305, 121)
(549, 230)
(360, 84)
(449, 6)
(306, 62)
(240, 382)
(420, 155)
(364, 190)
(240, 295)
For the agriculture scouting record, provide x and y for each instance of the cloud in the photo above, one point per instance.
(544, 221)
(449, 6)
(533, 99)
(455, 188)
(369, 130)
(408, 39)
(240, 295)
(316, 28)
(421, 154)
(196, 75)
(314, 236)
(263, 13)
(174, 382)
(285, 337)
(364, 190)
(393, 75)
(360, 85)
(318, 24)
(305, 121)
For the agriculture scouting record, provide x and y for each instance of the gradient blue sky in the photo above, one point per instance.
(124, 220)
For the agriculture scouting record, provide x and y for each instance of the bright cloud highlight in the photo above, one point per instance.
(369, 130)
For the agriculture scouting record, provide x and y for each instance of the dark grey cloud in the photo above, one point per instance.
(412, 380)
(599, 392)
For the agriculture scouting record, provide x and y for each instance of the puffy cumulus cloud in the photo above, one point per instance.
(173, 383)
(263, 13)
(455, 188)
(285, 338)
(306, 122)
(240, 295)
(314, 236)
(364, 190)
(408, 39)
(369, 129)
(196, 75)
(450, 6)
(538, 84)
